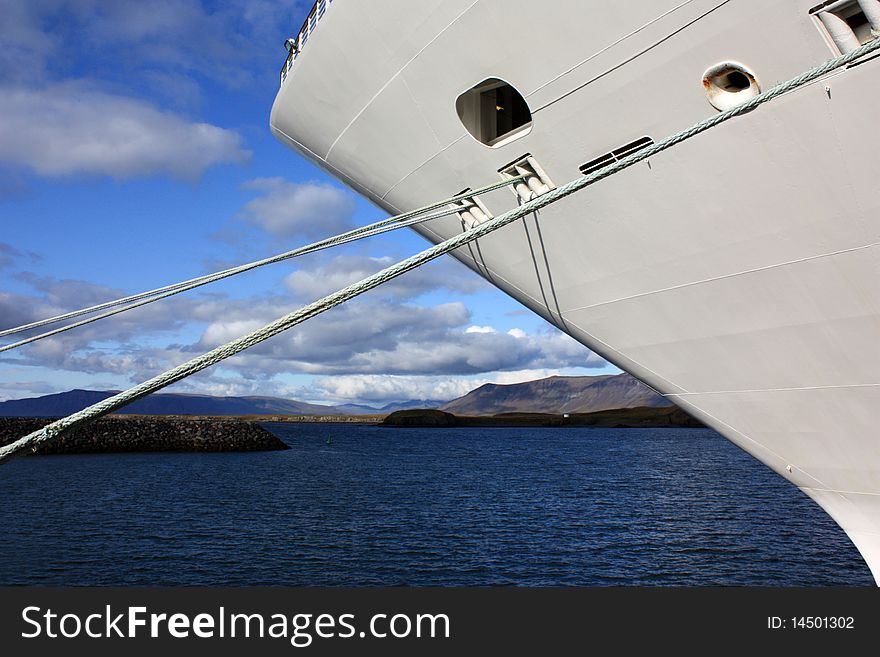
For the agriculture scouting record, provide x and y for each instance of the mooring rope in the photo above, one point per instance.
(55, 429)
(385, 225)
(338, 240)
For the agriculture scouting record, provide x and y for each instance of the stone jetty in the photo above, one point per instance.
(142, 433)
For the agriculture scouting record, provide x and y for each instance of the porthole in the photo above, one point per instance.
(730, 84)
(494, 113)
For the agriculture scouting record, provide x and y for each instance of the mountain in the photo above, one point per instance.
(412, 403)
(558, 394)
(65, 403)
(361, 409)
(357, 409)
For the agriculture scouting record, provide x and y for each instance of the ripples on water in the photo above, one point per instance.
(534, 507)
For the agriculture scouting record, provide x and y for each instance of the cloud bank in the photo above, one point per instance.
(286, 209)
(68, 129)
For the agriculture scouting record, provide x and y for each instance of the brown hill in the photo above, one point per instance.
(627, 418)
(558, 394)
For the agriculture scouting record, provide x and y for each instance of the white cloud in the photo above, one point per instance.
(26, 47)
(309, 209)
(381, 347)
(221, 332)
(88, 348)
(387, 343)
(369, 337)
(376, 351)
(382, 336)
(220, 384)
(341, 271)
(381, 389)
(22, 389)
(8, 254)
(67, 129)
(378, 389)
(214, 40)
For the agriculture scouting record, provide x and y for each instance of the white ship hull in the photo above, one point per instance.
(738, 274)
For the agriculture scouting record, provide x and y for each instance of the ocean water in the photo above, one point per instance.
(529, 507)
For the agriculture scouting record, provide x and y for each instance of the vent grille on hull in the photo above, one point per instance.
(615, 155)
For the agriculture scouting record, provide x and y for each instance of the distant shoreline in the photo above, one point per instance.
(200, 433)
(619, 418)
(642, 416)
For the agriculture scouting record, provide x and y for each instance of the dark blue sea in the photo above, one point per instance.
(422, 507)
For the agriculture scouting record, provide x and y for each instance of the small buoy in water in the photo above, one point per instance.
(329, 441)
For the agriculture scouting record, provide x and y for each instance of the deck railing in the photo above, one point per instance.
(295, 46)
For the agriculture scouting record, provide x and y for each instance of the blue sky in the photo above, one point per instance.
(135, 152)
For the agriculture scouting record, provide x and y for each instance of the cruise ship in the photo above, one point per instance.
(738, 273)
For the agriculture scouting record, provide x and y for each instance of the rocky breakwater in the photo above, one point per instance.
(421, 418)
(117, 434)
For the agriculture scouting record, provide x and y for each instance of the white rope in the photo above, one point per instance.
(311, 248)
(370, 230)
(53, 430)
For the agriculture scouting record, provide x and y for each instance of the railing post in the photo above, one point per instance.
(317, 12)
